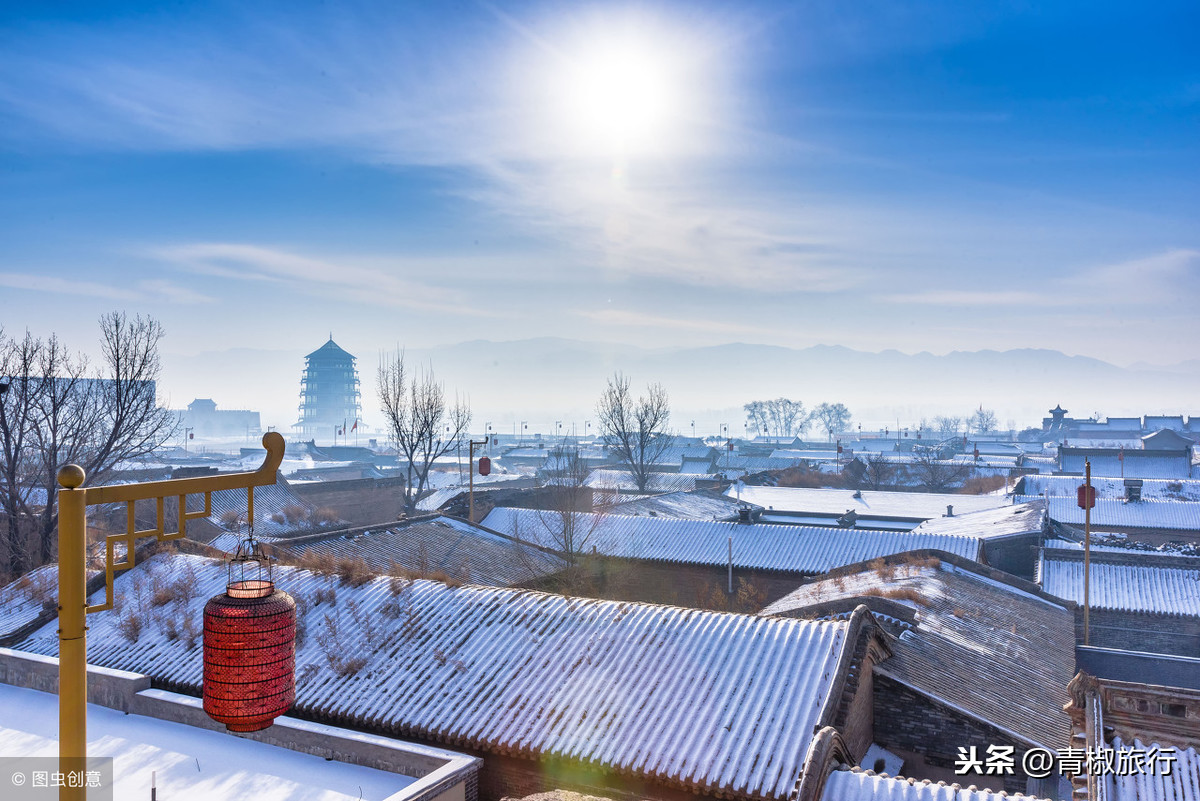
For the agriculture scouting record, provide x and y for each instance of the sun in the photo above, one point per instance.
(621, 96)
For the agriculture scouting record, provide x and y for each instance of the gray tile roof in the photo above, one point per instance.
(716, 703)
(797, 549)
(996, 648)
(907, 505)
(698, 505)
(445, 544)
(1125, 581)
(1007, 521)
(856, 784)
(1115, 513)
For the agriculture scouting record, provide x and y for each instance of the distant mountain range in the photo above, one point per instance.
(548, 379)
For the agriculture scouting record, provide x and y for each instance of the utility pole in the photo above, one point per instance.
(1087, 554)
(471, 490)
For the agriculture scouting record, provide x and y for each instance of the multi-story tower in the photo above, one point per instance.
(329, 397)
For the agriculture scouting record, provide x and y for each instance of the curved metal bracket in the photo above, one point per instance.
(179, 488)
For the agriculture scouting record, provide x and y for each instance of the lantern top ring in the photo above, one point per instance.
(250, 588)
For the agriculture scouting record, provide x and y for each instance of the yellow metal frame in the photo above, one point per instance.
(73, 500)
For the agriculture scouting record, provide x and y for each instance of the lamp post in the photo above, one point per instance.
(73, 500)
(471, 491)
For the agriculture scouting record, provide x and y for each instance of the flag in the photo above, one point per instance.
(355, 426)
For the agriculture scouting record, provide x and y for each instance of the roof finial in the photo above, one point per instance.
(330, 336)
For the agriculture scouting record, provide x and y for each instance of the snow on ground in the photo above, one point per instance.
(191, 764)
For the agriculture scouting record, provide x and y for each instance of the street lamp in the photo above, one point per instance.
(73, 500)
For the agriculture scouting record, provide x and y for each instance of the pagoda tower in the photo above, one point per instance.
(329, 396)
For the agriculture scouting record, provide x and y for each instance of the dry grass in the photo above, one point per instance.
(353, 571)
(899, 594)
(801, 477)
(294, 513)
(324, 516)
(982, 485)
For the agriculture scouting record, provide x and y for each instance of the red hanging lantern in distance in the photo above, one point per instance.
(485, 465)
(249, 647)
(1085, 497)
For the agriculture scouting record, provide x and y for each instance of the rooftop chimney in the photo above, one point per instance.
(949, 510)
(1133, 490)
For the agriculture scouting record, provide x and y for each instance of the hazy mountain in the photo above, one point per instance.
(548, 379)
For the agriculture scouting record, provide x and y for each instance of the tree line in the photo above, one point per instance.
(784, 418)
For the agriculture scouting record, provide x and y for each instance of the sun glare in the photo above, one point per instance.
(621, 97)
(618, 86)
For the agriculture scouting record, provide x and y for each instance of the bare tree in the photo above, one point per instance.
(936, 475)
(880, 471)
(947, 426)
(832, 418)
(983, 420)
(780, 417)
(420, 421)
(636, 431)
(564, 510)
(56, 413)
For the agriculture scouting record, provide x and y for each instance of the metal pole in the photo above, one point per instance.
(1087, 554)
(72, 632)
(471, 470)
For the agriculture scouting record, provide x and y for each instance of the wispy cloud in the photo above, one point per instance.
(1168, 279)
(345, 278)
(379, 91)
(138, 291)
(973, 297)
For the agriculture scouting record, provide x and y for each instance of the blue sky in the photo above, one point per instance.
(920, 176)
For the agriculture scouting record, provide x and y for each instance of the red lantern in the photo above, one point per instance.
(1085, 497)
(249, 648)
(485, 465)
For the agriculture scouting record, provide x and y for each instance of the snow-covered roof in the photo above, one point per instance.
(1118, 514)
(434, 500)
(1007, 521)
(983, 642)
(716, 703)
(23, 600)
(1158, 489)
(1123, 582)
(698, 505)
(622, 481)
(916, 506)
(270, 501)
(1133, 464)
(798, 549)
(795, 454)
(856, 784)
(454, 547)
(189, 762)
(1182, 784)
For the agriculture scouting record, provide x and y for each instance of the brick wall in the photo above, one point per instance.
(908, 721)
(1129, 631)
(680, 585)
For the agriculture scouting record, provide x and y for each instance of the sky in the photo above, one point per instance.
(923, 176)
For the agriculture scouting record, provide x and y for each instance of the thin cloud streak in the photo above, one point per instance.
(142, 291)
(339, 277)
(1166, 279)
